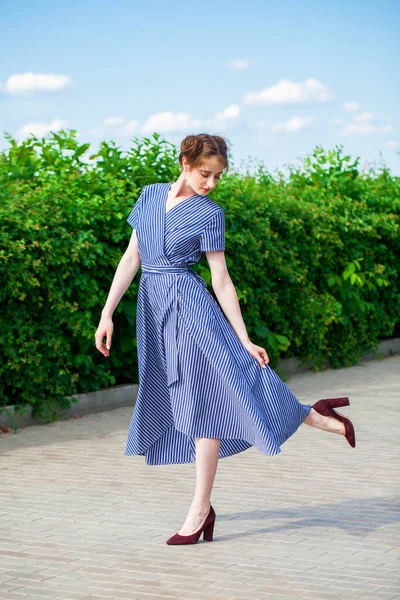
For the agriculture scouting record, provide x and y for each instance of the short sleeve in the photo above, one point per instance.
(135, 212)
(213, 236)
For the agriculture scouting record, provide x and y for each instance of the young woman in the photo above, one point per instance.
(205, 390)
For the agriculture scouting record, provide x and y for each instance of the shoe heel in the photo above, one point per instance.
(341, 402)
(208, 532)
(334, 402)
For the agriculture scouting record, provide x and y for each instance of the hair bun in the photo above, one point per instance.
(192, 144)
(203, 146)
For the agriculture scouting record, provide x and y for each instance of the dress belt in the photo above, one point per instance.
(172, 357)
(146, 268)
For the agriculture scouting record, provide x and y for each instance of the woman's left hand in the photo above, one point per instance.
(258, 352)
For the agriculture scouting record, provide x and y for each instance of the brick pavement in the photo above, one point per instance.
(319, 521)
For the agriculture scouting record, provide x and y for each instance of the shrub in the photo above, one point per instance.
(313, 256)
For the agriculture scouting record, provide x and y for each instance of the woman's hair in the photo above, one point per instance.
(200, 147)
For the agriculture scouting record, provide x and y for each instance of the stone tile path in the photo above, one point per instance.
(319, 521)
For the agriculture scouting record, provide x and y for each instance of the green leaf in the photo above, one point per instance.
(81, 150)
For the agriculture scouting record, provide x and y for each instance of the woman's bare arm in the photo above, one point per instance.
(226, 293)
(127, 268)
(227, 297)
(125, 273)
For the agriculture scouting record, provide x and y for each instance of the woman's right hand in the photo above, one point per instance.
(104, 330)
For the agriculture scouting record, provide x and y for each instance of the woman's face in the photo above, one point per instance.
(203, 178)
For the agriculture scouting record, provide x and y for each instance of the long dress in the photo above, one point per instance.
(196, 379)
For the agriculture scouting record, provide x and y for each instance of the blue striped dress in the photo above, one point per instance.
(196, 379)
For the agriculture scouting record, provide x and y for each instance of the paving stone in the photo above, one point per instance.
(319, 521)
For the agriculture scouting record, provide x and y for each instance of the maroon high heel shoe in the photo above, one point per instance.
(207, 527)
(326, 407)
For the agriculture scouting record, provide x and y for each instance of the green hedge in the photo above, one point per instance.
(314, 257)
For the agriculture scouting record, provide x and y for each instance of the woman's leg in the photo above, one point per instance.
(324, 422)
(207, 451)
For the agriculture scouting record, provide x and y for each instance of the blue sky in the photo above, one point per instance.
(276, 78)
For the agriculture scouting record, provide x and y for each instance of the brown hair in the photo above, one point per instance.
(200, 147)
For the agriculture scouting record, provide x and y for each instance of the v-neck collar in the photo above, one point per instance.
(164, 215)
(179, 203)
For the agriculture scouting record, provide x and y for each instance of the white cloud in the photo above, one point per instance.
(129, 127)
(364, 129)
(392, 144)
(123, 126)
(34, 82)
(361, 125)
(363, 117)
(293, 124)
(114, 125)
(337, 121)
(239, 64)
(164, 122)
(288, 92)
(169, 121)
(113, 121)
(224, 119)
(40, 129)
(230, 112)
(351, 106)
